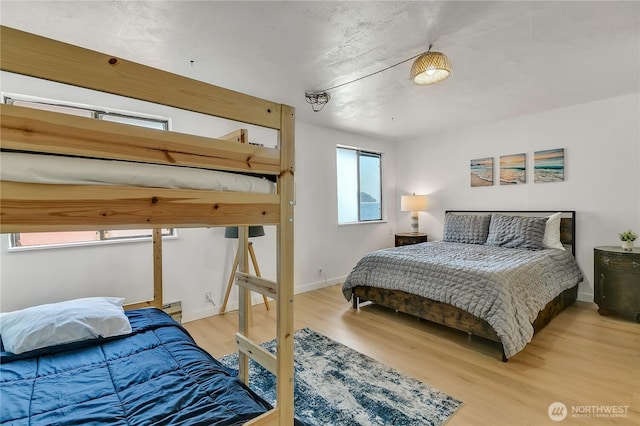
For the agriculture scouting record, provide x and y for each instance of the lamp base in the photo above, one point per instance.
(414, 223)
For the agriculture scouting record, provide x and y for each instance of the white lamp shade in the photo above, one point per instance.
(413, 203)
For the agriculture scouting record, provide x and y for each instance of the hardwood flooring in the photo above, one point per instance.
(588, 362)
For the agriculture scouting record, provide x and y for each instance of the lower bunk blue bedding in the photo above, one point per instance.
(156, 375)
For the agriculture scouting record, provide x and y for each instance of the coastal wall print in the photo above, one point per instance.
(513, 169)
(548, 166)
(482, 172)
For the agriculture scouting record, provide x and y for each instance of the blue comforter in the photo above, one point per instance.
(156, 375)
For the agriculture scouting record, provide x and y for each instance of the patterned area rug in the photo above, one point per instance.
(336, 385)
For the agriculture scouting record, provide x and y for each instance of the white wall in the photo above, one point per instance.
(319, 241)
(602, 178)
(200, 260)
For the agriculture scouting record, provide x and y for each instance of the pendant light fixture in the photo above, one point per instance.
(430, 67)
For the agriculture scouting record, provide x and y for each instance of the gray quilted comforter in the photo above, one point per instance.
(504, 286)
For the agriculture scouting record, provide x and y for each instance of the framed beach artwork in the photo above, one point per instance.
(482, 172)
(548, 166)
(513, 169)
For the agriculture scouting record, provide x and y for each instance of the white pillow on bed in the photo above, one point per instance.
(551, 237)
(64, 322)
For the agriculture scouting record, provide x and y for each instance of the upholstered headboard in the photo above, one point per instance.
(567, 221)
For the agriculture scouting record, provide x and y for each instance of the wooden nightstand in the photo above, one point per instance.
(616, 275)
(408, 239)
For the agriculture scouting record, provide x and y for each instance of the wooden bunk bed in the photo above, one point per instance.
(35, 207)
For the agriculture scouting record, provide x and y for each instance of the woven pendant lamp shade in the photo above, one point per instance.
(430, 67)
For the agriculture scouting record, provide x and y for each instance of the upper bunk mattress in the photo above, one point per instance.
(55, 169)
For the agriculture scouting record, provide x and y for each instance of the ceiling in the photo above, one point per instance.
(508, 58)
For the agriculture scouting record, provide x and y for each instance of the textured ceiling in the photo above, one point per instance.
(508, 58)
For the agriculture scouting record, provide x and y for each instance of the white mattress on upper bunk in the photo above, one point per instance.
(54, 169)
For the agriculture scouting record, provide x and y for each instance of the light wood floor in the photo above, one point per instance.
(580, 359)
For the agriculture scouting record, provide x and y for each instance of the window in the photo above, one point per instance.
(53, 239)
(359, 185)
(75, 238)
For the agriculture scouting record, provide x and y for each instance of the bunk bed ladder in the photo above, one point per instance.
(246, 346)
(248, 283)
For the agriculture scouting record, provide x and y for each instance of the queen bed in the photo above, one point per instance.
(66, 173)
(498, 275)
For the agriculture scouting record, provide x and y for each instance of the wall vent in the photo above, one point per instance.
(174, 309)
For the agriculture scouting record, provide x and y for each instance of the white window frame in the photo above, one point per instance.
(382, 198)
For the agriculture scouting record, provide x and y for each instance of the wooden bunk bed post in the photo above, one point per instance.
(157, 300)
(282, 365)
(284, 391)
(244, 302)
(157, 268)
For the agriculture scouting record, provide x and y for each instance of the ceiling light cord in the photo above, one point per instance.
(318, 99)
(368, 75)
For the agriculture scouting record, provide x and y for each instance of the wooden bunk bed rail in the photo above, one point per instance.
(27, 129)
(36, 56)
(31, 207)
(26, 207)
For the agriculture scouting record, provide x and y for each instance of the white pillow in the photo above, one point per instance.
(65, 322)
(551, 237)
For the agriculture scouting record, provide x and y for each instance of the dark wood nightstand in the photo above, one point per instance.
(409, 238)
(616, 276)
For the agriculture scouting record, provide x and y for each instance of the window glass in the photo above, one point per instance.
(135, 121)
(359, 179)
(75, 238)
(50, 107)
(370, 191)
(347, 166)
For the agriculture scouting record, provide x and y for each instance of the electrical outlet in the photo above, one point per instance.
(320, 272)
(207, 295)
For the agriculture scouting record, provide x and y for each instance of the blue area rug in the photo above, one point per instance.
(336, 385)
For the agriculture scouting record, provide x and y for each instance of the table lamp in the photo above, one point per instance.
(414, 204)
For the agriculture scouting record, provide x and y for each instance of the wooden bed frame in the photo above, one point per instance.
(451, 316)
(28, 207)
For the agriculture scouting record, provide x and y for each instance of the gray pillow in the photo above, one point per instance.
(468, 229)
(516, 231)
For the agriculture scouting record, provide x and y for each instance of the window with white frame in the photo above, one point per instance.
(57, 239)
(359, 178)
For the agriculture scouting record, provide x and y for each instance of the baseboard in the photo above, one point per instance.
(215, 310)
(192, 316)
(257, 299)
(585, 297)
(320, 284)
